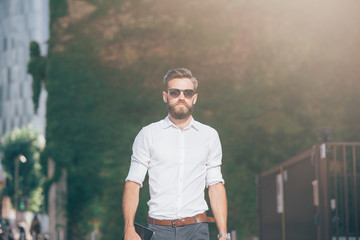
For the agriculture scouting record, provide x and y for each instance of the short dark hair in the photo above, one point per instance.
(179, 73)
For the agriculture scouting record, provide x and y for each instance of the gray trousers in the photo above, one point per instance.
(198, 231)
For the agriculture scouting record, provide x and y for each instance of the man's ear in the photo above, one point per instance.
(164, 94)
(195, 98)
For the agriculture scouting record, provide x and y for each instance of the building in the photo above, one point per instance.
(21, 21)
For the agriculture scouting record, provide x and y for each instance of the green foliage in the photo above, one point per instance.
(58, 8)
(90, 127)
(268, 79)
(37, 68)
(27, 142)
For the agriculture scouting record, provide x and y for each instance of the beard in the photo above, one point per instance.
(180, 113)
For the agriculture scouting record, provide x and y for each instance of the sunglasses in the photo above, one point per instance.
(188, 93)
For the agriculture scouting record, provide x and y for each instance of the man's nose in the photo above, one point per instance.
(181, 96)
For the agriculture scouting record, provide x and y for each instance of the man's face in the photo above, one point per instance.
(180, 103)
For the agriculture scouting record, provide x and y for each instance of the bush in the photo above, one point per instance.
(29, 143)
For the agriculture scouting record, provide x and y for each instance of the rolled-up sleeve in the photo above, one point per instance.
(140, 158)
(214, 161)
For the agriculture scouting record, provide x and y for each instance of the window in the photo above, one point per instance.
(5, 44)
(21, 90)
(8, 82)
(22, 8)
(4, 126)
(24, 107)
(16, 110)
(1, 101)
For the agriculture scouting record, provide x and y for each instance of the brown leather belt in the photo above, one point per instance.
(200, 218)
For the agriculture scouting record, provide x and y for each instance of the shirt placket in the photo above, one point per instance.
(181, 173)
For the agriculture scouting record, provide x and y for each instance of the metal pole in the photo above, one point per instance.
(283, 221)
(346, 194)
(336, 195)
(355, 194)
(325, 196)
(16, 185)
(259, 202)
(233, 235)
(23, 159)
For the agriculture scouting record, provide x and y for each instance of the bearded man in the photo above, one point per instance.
(182, 158)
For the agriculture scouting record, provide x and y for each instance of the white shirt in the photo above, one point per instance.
(180, 163)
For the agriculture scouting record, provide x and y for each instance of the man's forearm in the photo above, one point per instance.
(130, 204)
(218, 202)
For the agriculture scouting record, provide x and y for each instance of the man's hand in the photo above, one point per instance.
(130, 234)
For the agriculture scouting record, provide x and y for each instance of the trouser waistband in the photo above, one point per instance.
(199, 218)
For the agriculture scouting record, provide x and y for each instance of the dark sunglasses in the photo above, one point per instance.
(188, 93)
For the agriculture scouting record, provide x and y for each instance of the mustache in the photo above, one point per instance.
(183, 102)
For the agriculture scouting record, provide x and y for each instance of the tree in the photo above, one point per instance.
(37, 68)
(26, 142)
(268, 79)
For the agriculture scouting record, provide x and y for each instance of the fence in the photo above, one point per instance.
(313, 196)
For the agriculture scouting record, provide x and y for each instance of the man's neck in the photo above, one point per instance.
(181, 123)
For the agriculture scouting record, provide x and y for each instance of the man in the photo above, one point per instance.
(182, 157)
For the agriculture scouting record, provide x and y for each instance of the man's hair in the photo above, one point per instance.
(179, 73)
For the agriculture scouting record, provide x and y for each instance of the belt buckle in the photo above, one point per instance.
(175, 222)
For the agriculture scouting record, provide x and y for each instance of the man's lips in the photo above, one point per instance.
(182, 104)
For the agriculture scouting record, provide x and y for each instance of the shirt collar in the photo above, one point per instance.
(167, 123)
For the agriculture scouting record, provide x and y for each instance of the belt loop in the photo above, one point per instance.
(153, 221)
(195, 219)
